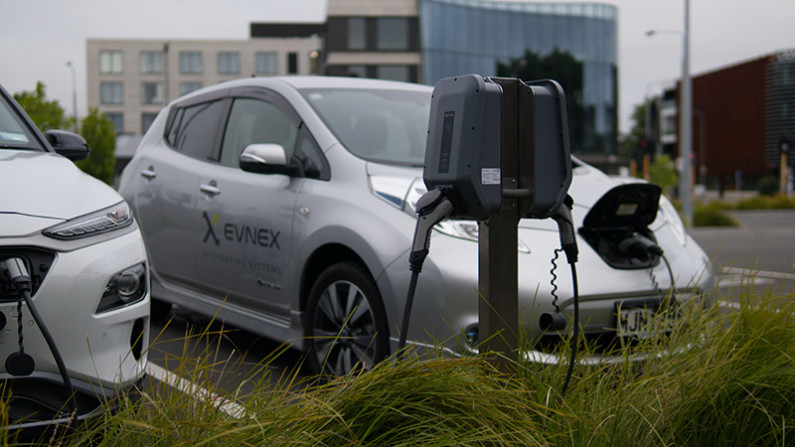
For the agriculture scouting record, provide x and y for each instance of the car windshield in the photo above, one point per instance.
(14, 133)
(386, 126)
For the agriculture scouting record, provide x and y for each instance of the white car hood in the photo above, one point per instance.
(48, 186)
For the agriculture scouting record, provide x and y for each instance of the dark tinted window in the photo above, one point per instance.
(309, 156)
(196, 130)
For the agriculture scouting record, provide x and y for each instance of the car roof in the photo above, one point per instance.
(309, 82)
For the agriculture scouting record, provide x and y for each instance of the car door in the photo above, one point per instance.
(166, 195)
(248, 261)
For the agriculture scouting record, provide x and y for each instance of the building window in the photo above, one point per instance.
(392, 34)
(146, 121)
(110, 62)
(111, 93)
(357, 33)
(266, 63)
(152, 92)
(187, 87)
(190, 62)
(151, 62)
(228, 63)
(117, 118)
(394, 72)
(292, 63)
(357, 71)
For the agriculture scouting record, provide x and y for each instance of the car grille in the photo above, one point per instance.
(38, 263)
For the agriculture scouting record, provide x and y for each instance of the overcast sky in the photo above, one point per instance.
(39, 36)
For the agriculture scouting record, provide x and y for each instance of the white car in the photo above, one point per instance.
(72, 260)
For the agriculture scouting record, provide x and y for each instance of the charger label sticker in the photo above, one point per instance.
(490, 176)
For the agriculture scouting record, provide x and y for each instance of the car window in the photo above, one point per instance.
(197, 128)
(381, 125)
(309, 155)
(253, 121)
(13, 133)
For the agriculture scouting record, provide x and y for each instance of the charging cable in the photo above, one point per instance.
(556, 321)
(13, 271)
(431, 208)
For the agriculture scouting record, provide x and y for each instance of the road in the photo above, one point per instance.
(763, 246)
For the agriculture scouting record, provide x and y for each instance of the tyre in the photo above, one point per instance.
(346, 325)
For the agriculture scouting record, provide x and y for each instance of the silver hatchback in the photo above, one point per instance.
(285, 207)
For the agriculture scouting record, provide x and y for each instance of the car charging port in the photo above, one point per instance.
(14, 272)
(617, 227)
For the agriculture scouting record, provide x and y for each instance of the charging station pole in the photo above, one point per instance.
(497, 152)
(498, 262)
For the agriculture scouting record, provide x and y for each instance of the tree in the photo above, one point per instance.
(564, 68)
(45, 114)
(631, 143)
(663, 172)
(100, 135)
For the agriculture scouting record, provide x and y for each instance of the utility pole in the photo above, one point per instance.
(686, 124)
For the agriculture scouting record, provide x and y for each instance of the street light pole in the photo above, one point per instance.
(74, 93)
(686, 123)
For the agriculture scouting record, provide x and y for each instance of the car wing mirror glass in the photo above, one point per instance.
(265, 159)
(68, 144)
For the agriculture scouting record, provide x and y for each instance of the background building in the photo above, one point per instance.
(405, 40)
(574, 43)
(427, 40)
(131, 80)
(373, 39)
(741, 116)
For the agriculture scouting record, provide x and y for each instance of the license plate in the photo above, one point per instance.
(634, 321)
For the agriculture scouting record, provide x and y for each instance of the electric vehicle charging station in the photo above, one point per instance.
(497, 151)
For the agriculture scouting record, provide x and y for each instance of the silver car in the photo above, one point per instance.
(285, 207)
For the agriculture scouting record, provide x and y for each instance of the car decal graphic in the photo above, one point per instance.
(244, 234)
(210, 230)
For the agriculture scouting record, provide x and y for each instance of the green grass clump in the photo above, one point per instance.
(712, 215)
(730, 382)
(724, 376)
(776, 202)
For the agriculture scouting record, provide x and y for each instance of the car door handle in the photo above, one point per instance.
(211, 189)
(149, 173)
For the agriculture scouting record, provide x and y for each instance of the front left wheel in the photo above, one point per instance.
(345, 322)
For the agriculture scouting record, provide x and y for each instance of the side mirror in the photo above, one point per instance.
(68, 144)
(265, 159)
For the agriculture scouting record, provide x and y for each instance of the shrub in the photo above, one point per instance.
(711, 215)
(768, 185)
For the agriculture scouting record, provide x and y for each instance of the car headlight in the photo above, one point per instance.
(461, 229)
(102, 221)
(124, 288)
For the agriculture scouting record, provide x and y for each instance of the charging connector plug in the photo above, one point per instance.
(14, 272)
(431, 208)
(639, 246)
(568, 240)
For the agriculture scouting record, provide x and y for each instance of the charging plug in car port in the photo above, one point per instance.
(14, 271)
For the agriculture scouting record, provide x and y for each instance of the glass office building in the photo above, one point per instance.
(474, 36)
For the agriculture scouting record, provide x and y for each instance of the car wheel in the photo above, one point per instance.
(345, 321)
